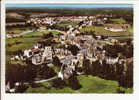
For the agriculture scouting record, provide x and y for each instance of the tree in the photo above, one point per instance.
(46, 72)
(56, 61)
(128, 82)
(74, 49)
(95, 68)
(74, 83)
(49, 35)
(58, 83)
(86, 66)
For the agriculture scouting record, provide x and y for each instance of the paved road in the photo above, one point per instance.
(67, 60)
(26, 32)
(46, 80)
(29, 31)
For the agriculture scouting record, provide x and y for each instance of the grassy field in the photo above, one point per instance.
(99, 30)
(131, 29)
(118, 21)
(40, 34)
(26, 41)
(17, 30)
(90, 84)
(65, 24)
(14, 31)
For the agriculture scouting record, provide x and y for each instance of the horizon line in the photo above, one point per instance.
(69, 5)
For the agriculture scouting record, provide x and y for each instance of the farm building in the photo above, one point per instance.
(116, 27)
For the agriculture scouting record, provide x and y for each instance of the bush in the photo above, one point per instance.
(74, 49)
(58, 83)
(46, 72)
(74, 83)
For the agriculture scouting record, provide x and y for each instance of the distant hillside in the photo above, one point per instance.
(14, 15)
(75, 12)
(20, 13)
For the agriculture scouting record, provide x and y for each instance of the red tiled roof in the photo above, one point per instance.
(35, 50)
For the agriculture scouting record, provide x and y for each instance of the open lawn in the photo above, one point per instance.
(99, 30)
(130, 29)
(17, 30)
(90, 84)
(22, 43)
(26, 41)
(14, 31)
(65, 24)
(40, 34)
(118, 21)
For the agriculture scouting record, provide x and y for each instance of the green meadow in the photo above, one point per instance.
(99, 30)
(89, 84)
(118, 21)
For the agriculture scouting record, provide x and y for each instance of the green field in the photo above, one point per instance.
(130, 29)
(17, 30)
(14, 31)
(99, 30)
(118, 21)
(40, 34)
(65, 24)
(26, 41)
(90, 84)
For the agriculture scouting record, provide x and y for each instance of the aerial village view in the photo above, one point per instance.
(69, 48)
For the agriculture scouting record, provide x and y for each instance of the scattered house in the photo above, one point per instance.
(113, 40)
(8, 36)
(9, 89)
(12, 35)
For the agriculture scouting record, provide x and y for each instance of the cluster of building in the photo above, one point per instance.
(49, 20)
(12, 35)
(42, 21)
(90, 48)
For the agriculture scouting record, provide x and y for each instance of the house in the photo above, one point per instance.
(8, 36)
(36, 59)
(47, 54)
(67, 72)
(112, 60)
(90, 23)
(60, 75)
(80, 59)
